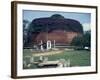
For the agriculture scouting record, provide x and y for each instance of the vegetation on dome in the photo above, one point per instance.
(57, 16)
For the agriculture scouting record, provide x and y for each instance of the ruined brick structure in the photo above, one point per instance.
(56, 28)
(60, 36)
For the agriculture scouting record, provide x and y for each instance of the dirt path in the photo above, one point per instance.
(48, 53)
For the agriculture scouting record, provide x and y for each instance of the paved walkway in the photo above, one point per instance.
(47, 53)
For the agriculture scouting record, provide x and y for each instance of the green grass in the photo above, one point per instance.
(77, 57)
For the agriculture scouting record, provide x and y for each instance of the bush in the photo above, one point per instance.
(82, 41)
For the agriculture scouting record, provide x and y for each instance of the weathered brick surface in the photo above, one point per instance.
(60, 36)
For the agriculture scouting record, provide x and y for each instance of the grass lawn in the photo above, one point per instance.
(77, 57)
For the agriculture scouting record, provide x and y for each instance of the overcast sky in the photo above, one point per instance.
(83, 18)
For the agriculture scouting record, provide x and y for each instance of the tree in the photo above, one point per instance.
(77, 41)
(82, 41)
(87, 39)
(25, 22)
(25, 31)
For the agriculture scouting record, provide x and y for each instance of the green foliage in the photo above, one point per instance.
(25, 22)
(82, 41)
(77, 41)
(87, 39)
(57, 16)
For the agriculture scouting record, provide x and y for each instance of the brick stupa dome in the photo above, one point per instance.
(56, 27)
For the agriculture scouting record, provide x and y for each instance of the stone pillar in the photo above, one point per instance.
(54, 43)
(31, 59)
(68, 63)
(41, 58)
(41, 46)
(48, 44)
